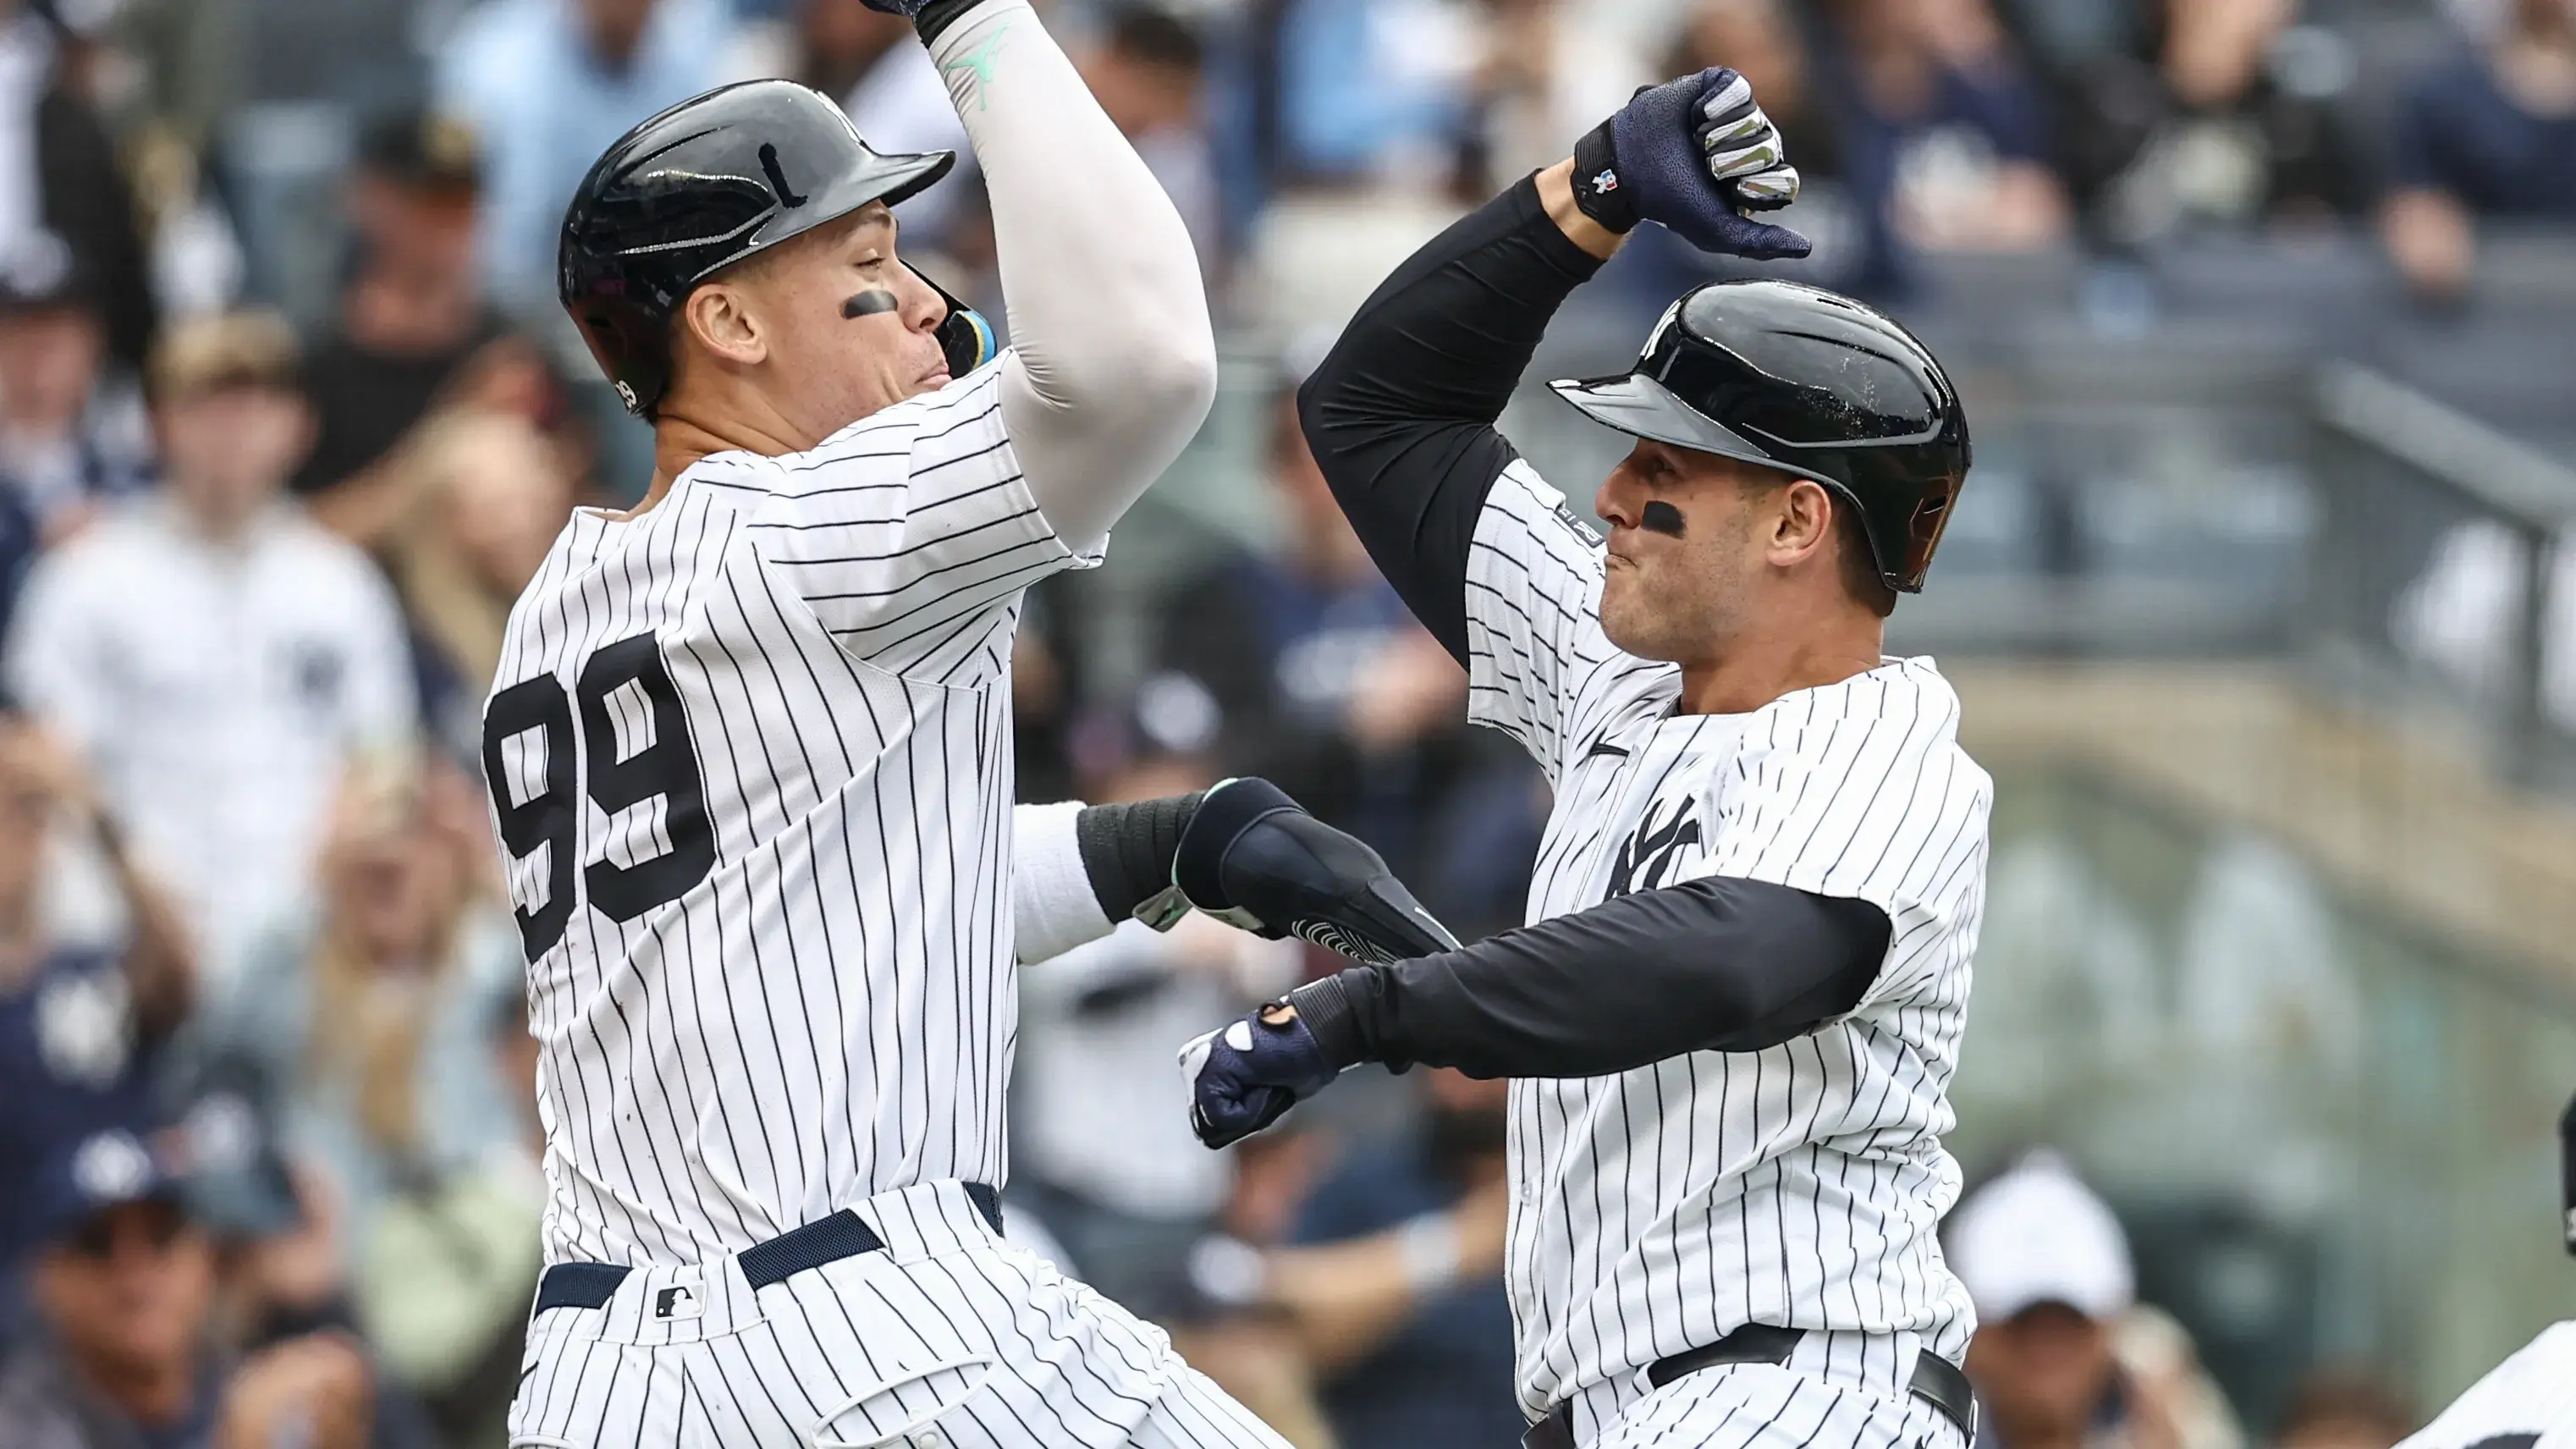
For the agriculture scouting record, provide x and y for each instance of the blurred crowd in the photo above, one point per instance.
(270, 479)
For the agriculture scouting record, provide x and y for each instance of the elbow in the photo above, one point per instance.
(1176, 378)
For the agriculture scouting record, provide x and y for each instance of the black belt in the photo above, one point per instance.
(825, 1240)
(1936, 1380)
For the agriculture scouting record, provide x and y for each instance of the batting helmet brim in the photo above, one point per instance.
(1638, 405)
(890, 179)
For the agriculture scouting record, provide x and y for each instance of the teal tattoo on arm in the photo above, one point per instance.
(977, 66)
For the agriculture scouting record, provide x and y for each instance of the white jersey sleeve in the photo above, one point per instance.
(1534, 637)
(905, 531)
(2528, 1402)
(1862, 792)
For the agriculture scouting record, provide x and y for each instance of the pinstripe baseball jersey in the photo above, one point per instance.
(1657, 1210)
(2527, 1402)
(750, 759)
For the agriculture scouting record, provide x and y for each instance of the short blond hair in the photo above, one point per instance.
(251, 348)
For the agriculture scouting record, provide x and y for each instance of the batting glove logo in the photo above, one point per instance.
(1605, 183)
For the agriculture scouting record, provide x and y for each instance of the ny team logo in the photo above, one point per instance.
(1646, 859)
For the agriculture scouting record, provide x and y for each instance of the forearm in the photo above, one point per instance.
(160, 965)
(1401, 413)
(1078, 870)
(1718, 964)
(1114, 362)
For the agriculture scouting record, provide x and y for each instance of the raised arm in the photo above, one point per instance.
(1113, 363)
(1401, 413)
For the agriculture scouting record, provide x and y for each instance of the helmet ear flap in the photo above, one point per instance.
(633, 349)
(966, 338)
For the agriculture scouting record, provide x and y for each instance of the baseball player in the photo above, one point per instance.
(2529, 1400)
(749, 752)
(1733, 1016)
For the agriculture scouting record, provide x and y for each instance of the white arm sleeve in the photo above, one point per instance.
(1112, 363)
(1052, 907)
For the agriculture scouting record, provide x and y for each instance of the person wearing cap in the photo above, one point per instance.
(212, 653)
(126, 1357)
(86, 1012)
(412, 318)
(2048, 1268)
(70, 438)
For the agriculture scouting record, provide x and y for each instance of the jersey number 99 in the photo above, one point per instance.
(550, 817)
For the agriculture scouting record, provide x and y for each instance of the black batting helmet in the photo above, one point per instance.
(1809, 382)
(703, 185)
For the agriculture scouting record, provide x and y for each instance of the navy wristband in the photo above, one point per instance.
(1597, 191)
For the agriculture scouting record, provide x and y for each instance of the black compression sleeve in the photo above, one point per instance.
(1401, 413)
(1718, 964)
(1127, 849)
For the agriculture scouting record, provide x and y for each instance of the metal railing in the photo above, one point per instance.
(2391, 464)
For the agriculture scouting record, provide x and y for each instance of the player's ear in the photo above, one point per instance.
(1802, 522)
(720, 320)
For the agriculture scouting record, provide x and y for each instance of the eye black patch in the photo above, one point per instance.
(1660, 517)
(868, 304)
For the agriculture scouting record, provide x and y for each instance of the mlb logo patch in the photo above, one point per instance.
(672, 1303)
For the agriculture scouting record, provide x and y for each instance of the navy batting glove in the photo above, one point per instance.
(929, 17)
(1696, 155)
(1254, 858)
(1246, 1075)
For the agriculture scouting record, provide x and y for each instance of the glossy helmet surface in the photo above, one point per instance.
(1812, 383)
(703, 185)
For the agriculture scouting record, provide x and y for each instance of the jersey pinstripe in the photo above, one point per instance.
(2527, 1402)
(946, 1339)
(750, 758)
(1657, 1210)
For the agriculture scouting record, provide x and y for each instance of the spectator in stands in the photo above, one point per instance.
(84, 1014)
(71, 436)
(1764, 41)
(1396, 1288)
(2486, 135)
(412, 316)
(1145, 72)
(70, 439)
(2344, 1408)
(126, 1292)
(2064, 1357)
(1230, 1329)
(477, 497)
(1550, 70)
(1355, 91)
(546, 85)
(444, 1280)
(59, 169)
(371, 1014)
(869, 62)
(2199, 112)
(1103, 1153)
(1324, 684)
(1943, 133)
(212, 654)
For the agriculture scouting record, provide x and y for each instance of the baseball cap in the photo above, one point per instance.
(421, 151)
(224, 1142)
(2035, 1235)
(40, 273)
(107, 1168)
